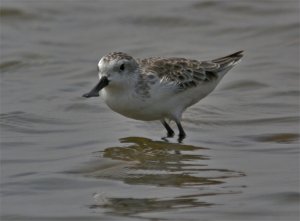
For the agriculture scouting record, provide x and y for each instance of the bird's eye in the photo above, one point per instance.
(122, 67)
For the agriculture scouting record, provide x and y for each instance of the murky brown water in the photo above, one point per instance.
(67, 158)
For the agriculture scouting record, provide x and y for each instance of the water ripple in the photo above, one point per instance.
(22, 122)
(142, 161)
(14, 13)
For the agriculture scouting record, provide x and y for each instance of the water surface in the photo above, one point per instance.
(64, 157)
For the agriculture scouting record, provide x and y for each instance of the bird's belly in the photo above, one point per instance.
(155, 107)
(137, 112)
(134, 108)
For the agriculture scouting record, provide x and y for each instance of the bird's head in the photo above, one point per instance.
(115, 70)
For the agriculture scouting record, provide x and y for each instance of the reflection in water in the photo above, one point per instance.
(131, 206)
(157, 163)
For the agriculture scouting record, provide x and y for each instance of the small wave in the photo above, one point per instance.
(278, 138)
(164, 21)
(241, 7)
(14, 13)
(22, 122)
(9, 65)
(245, 85)
(84, 107)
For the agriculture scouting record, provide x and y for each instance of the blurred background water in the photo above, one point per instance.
(67, 158)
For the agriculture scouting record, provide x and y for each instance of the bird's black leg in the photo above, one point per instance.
(182, 134)
(168, 128)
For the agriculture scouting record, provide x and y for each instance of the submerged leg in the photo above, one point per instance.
(168, 128)
(182, 134)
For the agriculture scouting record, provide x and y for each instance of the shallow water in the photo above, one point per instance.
(64, 157)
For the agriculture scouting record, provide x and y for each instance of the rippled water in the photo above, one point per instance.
(67, 158)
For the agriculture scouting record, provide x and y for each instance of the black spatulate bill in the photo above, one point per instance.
(103, 82)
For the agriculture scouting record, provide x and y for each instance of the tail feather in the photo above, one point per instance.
(229, 60)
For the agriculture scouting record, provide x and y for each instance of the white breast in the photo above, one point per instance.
(129, 104)
(162, 103)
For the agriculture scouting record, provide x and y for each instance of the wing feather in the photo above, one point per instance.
(184, 73)
(179, 72)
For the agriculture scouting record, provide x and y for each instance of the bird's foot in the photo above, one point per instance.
(170, 134)
(181, 137)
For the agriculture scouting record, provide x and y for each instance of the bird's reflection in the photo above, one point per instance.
(133, 206)
(142, 161)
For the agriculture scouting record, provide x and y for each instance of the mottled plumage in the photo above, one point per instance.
(181, 72)
(158, 88)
